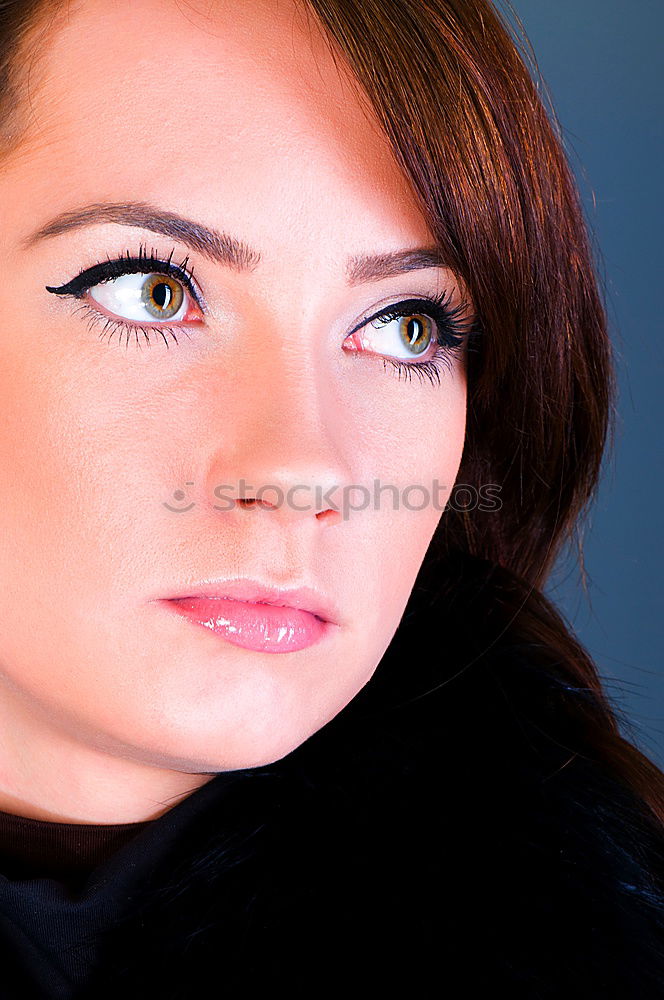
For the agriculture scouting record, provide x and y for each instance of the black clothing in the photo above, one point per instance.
(44, 866)
(63, 884)
(453, 831)
(67, 852)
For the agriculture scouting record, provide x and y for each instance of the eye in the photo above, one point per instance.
(142, 297)
(412, 330)
(404, 336)
(137, 290)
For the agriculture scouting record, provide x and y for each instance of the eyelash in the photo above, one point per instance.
(142, 263)
(451, 333)
(450, 337)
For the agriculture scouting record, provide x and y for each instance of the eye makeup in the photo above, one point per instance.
(141, 263)
(451, 332)
(447, 330)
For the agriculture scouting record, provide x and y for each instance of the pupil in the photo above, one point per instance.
(161, 294)
(416, 334)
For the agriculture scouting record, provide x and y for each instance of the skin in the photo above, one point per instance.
(113, 709)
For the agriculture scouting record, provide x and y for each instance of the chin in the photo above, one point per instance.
(220, 747)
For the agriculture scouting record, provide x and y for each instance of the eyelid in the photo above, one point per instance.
(375, 315)
(116, 267)
(441, 300)
(452, 325)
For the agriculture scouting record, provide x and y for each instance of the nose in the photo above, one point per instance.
(283, 442)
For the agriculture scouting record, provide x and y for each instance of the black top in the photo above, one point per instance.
(61, 884)
(66, 852)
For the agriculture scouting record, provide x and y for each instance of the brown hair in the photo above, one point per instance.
(462, 112)
(467, 125)
(450, 84)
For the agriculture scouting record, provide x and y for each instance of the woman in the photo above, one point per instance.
(282, 703)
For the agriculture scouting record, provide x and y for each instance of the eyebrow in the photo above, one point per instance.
(221, 247)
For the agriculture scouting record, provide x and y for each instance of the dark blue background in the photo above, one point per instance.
(602, 61)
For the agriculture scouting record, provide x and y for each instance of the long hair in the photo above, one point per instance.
(467, 126)
(450, 84)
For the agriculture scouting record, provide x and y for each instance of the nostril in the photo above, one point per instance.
(329, 516)
(251, 502)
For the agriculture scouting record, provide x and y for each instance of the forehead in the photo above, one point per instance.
(232, 112)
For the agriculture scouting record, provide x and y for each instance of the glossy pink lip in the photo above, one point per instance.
(260, 618)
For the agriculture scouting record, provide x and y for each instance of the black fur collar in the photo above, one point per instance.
(449, 833)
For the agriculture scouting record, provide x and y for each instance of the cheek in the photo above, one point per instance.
(74, 484)
(420, 442)
(410, 471)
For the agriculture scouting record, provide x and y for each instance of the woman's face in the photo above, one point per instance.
(113, 443)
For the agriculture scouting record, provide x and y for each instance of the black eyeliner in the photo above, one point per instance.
(451, 330)
(117, 267)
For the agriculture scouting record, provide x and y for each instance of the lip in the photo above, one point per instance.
(302, 598)
(250, 614)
